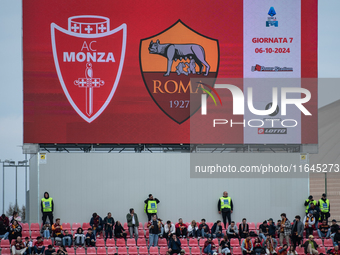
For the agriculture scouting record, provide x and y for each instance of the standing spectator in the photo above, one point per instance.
(232, 231)
(216, 230)
(271, 228)
(79, 237)
(96, 223)
(278, 227)
(90, 238)
(310, 246)
(39, 247)
(14, 231)
(309, 222)
(247, 246)
(154, 230)
(285, 229)
(150, 207)
(297, 231)
(3, 231)
(264, 230)
(46, 230)
(270, 245)
(225, 245)
(316, 213)
(174, 245)
(225, 205)
(337, 238)
(50, 250)
(120, 231)
(57, 228)
(325, 207)
(28, 245)
(283, 250)
(18, 247)
(308, 202)
(243, 228)
(133, 223)
(204, 229)
(209, 247)
(67, 239)
(292, 250)
(109, 222)
(181, 229)
(324, 230)
(258, 249)
(193, 229)
(334, 229)
(47, 207)
(169, 229)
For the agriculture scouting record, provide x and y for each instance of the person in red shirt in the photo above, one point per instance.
(181, 229)
(209, 247)
(335, 250)
(39, 247)
(18, 247)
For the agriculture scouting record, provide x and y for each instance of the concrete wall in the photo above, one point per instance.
(83, 183)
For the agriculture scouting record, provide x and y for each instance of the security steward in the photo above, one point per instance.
(150, 207)
(47, 207)
(325, 207)
(225, 205)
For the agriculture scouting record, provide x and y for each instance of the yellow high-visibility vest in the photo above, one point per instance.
(225, 202)
(47, 204)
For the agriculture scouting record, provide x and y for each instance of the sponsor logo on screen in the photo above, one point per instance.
(272, 131)
(259, 68)
(89, 59)
(169, 59)
(272, 21)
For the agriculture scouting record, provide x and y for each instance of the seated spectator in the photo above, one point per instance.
(155, 227)
(209, 247)
(247, 246)
(283, 250)
(270, 245)
(225, 245)
(28, 244)
(120, 231)
(79, 237)
(50, 250)
(204, 229)
(4, 220)
(193, 229)
(62, 250)
(271, 228)
(133, 223)
(337, 238)
(216, 230)
(310, 246)
(243, 228)
(334, 251)
(109, 222)
(334, 229)
(258, 247)
(324, 230)
(292, 250)
(96, 223)
(309, 222)
(182, 252)
(57, 228)
(4, 230)
(39, 247)
(14, 231)
(169, 228)
(67, 239)
(46, 230)
(263, 230)
(90, 238)
(232, 231)
(297, 231)
(18, 247)
(174, 245)
(16, 217)
(181, 229)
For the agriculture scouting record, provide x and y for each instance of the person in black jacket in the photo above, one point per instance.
(334, 229)
(225, 245)
(243, 228)
(310, 246)
(174, 245)
(216, 230)
(119, 230)
(337, 238)
(297, 231)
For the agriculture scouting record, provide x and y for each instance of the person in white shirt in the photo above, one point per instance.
(193, 229)
(169, 228)
(309, 222)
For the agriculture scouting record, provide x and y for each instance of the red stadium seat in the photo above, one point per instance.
(237, 251)
(258, 225)
(80, 251)
(162, 242)
(300, 251)
(215, 241)
(35, 234)
(193, 242)
(234, 242)
(130, 242)
(25, 227)
(111, 250)
(120, 242)
(47, 242)
(187, 251)
(100, 242)
(141, 242)
(110, 242)
(66, 226)
(86, 225)
(122, 250)
(133, 250)
(70, 251)
(328, 243)
(91, 251)
(321, 250)
(5, 251)
(75, 226)
(25, 234)
(315, 234)
(140, 227)
(153, 250)
(143, 250)
(210, 224)
(184, 242)
(251, 226)
(35, 227)
(4, 244)
(318, 241)
(145, 225)
(101, 251)
(163, 250)
(202, 241)
(147, 233)
(125, 226)
(195, 251)
(141, 233)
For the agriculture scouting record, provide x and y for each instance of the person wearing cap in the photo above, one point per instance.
(271, 228)
(308, 202)
(225, 206)
(285, 229)
(324, 230)
(325, 207)
(334, 229)
(309, 222)
(182, 252)
(150, 207)
(310, 246)
(297, 231)
(47, 207)
(50, 250)
(174, 245)
(264, 230)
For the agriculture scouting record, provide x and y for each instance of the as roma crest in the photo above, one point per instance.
(169, 60)
(89, 59)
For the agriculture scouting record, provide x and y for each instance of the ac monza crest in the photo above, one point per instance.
(169, 60)
(89, 59)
